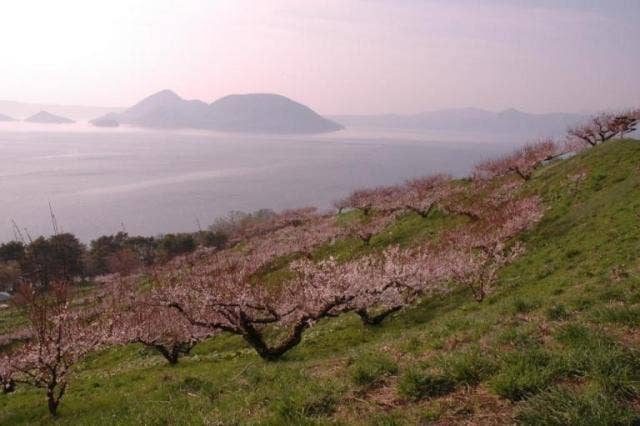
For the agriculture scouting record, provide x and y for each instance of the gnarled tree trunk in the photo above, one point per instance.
(375, 319)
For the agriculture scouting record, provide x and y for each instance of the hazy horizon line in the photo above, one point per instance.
(328, 114)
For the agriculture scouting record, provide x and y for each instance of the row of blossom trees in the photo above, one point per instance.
(226, 292)
(204, 294)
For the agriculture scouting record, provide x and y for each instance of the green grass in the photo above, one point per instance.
(525, 372)
(368, 369)
(620, 314)
(11, 319)
(468, 367)
(555, 343)
(563, 406)
(415, 384)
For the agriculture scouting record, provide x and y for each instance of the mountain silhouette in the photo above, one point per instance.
(251, 113)
(108, 120)
(46, 117)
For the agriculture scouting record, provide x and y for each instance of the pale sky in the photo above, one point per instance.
(337, 56)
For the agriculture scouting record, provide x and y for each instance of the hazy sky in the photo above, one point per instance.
(338, 56)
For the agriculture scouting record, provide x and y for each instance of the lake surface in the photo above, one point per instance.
(100, 181)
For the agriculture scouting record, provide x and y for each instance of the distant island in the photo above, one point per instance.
(48, 118)
(105, 121)
(78, 113)
(251, 113)
(6, 118)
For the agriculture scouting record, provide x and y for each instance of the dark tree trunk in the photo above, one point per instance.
(53, 406)
(587, 140)
(172, 355)
(478, 293)
(271, 353)
(246, 328)
(376, 319)
(366, 239)
(52, 400)
(524, 176)
(422, 213)
(8, 387)
(474, 217)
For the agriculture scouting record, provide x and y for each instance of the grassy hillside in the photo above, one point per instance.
(556, 343)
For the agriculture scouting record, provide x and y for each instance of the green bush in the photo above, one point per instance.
(177, 244)
(215, 239)
(12, 251)
(415, 385)
(59, 257)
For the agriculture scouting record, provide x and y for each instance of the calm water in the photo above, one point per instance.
(100, 181)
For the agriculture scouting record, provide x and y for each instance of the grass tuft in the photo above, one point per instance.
(561, 406)
(524, 373)
(619, 314)
(557, 312)
(304, 406)
(468, 367)
(370, 368)
(415, 384)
